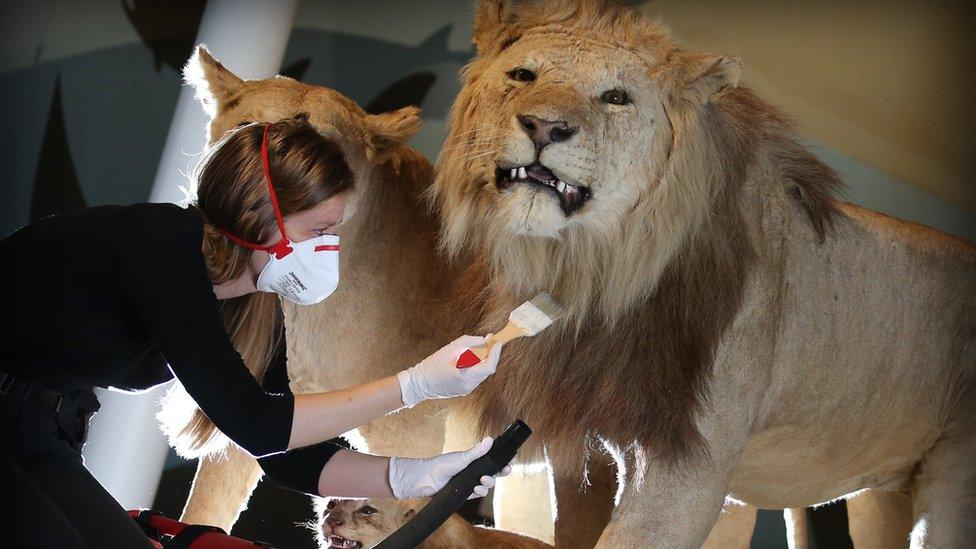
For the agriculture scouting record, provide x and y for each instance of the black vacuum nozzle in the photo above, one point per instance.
(508, 443)
(457, 490)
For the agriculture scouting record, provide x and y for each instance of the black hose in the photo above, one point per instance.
(446, 501)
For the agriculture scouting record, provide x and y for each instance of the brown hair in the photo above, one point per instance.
(232, 194)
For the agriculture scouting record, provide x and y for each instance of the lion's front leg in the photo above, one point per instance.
(944, 492)
(582, 512)
(670, 508)
(675, 504)
(734, 527)
(557, 510)
(879, 519)
(221, 488)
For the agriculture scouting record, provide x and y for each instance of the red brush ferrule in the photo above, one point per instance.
(467, 359)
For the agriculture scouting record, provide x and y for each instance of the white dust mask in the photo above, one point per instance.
(303, 272)
(307, 274)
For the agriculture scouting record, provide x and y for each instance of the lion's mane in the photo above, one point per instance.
(650, 294)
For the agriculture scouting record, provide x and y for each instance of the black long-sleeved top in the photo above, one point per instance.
(118, 296)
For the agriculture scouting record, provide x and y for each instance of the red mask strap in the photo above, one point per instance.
(271, 191)
(242, 242)
(282, 248)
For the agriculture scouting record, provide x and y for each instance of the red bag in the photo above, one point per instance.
(166, 533)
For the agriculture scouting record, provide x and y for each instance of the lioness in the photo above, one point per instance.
(389, 271)
(350, 524)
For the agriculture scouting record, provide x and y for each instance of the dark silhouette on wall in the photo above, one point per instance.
(297, 69)
(168, 29)
(170, 32)
(410, 90)
(56, 186)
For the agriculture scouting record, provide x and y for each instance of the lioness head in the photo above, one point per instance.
(353, 523)
(562, 153)
(365, 139)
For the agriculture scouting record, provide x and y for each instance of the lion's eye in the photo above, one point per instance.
(366, 510)
(521, 75)
(615, 97)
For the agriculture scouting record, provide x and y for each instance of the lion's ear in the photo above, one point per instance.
(490, 23)
(389, 130)
(710, 77)
(214, 84)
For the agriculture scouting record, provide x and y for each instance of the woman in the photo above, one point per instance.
(128, 297)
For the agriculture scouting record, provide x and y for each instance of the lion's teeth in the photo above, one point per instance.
(514, 172)
(561, 186)
(521, 173)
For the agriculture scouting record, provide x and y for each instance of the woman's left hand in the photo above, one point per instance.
(417, 478)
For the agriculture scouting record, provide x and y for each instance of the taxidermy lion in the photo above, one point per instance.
(353, 524)
(733, 329)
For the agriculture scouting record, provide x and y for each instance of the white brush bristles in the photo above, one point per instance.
(534, 316)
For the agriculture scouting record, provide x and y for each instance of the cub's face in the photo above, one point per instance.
(559, 130)
(353, 524)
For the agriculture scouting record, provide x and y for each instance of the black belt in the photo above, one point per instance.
(72, 409)
(30, 392)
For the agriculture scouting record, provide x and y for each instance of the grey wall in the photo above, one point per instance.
(118, 78)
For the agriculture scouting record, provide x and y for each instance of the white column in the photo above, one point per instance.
(249, 37)
(126, 450)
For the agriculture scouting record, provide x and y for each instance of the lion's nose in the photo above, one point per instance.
(333, 522)
(543, 132)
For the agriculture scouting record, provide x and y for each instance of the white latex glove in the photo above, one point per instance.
(420, 478)
(438, 376)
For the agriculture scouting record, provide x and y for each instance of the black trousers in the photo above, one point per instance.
(50, 498)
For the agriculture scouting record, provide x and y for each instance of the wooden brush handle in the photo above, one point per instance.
(508, 333)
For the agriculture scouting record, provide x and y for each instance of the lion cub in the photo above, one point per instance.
(362, 523)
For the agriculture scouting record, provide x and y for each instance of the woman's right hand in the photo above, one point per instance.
(420, 478)
(438, 376)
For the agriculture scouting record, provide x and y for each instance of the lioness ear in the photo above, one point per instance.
(490, 24)
(409, 513)
(389, 130)
(214, 84)
(710, 77)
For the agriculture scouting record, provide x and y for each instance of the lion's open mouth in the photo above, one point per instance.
(571, 197)
(340, 542)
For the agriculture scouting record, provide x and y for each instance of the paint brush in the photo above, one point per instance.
(526, 320)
